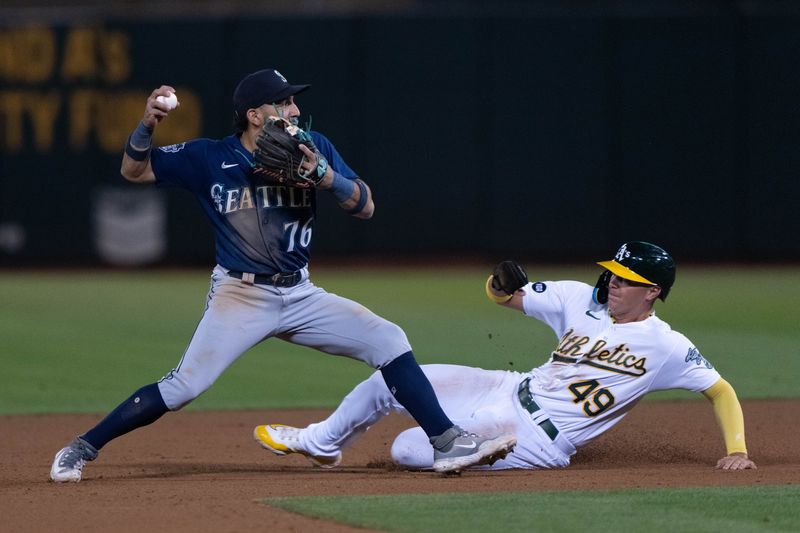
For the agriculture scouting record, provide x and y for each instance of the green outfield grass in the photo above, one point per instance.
(733, 510)
(83, 341)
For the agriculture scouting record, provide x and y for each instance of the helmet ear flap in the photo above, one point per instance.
(600, 293)
(663, 295)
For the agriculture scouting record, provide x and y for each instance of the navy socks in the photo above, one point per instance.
(412, 389)
(144, 407)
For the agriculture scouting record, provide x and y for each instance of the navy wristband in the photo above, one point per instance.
(341, 187)
(133, 153)
(141, 136)
(362, 200)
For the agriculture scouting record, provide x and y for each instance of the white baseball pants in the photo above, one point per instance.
(481, 401)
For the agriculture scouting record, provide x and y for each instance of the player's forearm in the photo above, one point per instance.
(136, 159)
(361, 205)
(354, 196)
(729, 415)
(136, 171)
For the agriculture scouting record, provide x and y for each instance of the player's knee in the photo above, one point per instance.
(412, 449)
(394, 332)
(393, 338)
(178, 392)
(381, 343)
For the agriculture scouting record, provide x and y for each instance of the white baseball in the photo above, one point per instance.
(171, 101)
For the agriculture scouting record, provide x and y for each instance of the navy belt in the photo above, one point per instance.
(526, 400)
(276, 280)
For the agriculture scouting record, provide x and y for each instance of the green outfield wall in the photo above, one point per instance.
(552, 134)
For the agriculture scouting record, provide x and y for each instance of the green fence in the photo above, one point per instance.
(549, 136)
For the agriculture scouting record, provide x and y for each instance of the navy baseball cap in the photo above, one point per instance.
(263, 87)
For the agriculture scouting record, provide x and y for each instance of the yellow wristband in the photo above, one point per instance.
(492, 296)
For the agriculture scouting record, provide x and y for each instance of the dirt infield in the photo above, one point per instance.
(201, 471)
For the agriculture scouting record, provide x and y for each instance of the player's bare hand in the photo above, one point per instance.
(155, 111)
(310, 160)
(736, 461)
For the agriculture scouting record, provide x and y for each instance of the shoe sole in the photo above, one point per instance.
(277, 451)
(71, 479)
(490, 452)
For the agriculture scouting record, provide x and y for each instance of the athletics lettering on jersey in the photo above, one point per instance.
(600, 368)
(577, 348)
(265, 197)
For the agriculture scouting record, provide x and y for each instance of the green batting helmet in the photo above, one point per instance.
(644, 263)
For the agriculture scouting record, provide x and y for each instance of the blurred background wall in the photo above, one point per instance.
(548, 130)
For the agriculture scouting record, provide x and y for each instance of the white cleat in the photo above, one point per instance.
(283, 440)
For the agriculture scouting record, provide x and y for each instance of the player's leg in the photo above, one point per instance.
(368, 402)
(412, 450)
(343, 327)
(491, 404)
(226, 330)
(371, 400)
(478, 400)
(340, 326)
(322, 442)
(238, 317)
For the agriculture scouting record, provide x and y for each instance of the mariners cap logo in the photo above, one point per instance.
(280, 76)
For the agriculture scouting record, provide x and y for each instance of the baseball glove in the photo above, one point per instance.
(508, 277)
(278, 154)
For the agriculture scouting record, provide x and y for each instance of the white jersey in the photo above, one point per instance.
(595, 375)
(599, 370)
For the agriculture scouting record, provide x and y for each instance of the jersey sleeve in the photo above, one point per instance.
(685, 368)
(179, 165)
(330, 153)
(548, 301)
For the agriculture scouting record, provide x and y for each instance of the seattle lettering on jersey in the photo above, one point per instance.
(617, 359)
(265, 197)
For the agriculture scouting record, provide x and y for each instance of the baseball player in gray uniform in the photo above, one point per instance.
(612, 349)
(260, 287)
